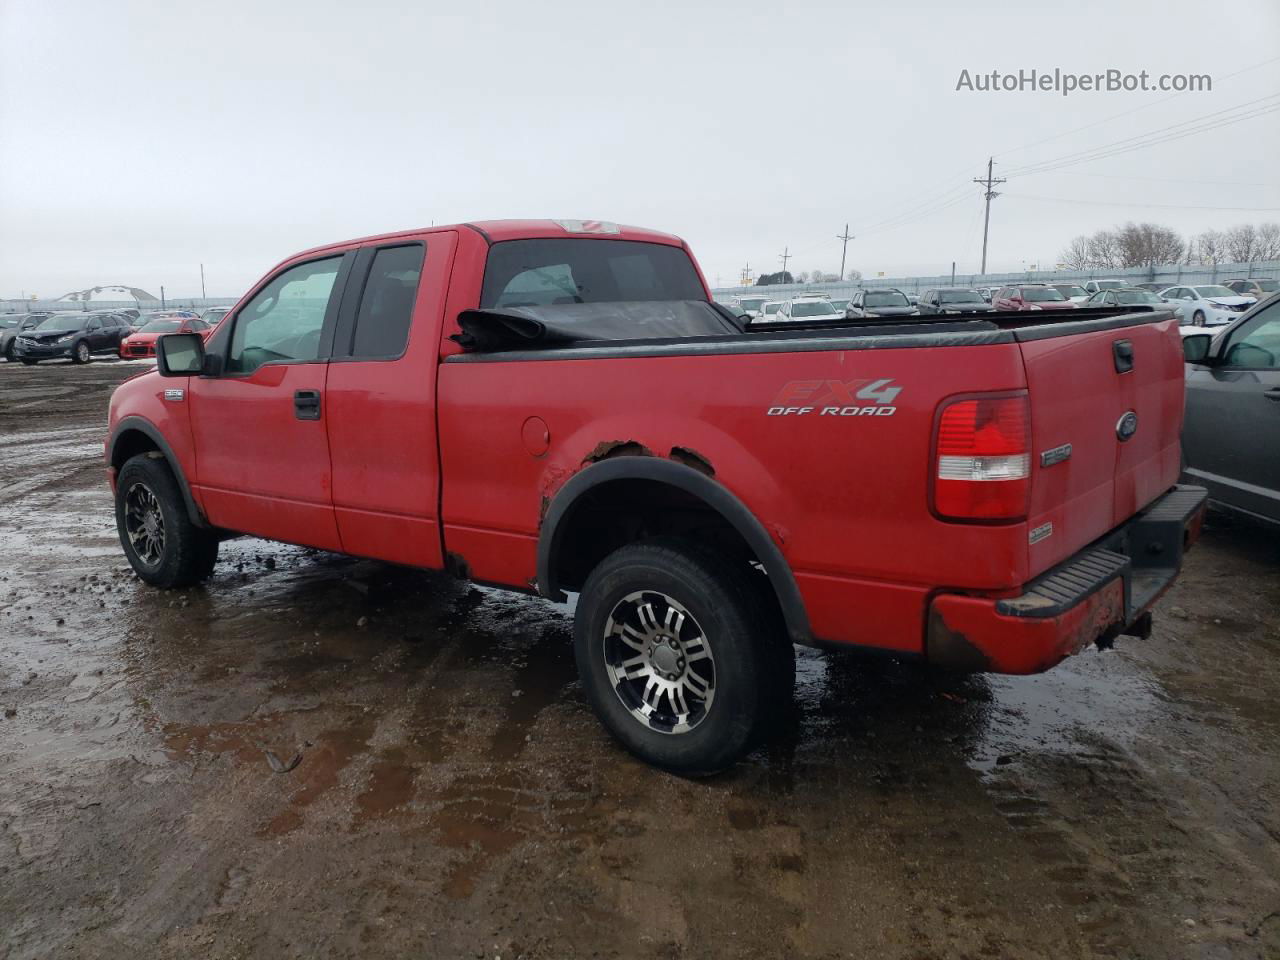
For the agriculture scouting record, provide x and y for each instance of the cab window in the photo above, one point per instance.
(284, 320)
(386, 306)
(1259, 347)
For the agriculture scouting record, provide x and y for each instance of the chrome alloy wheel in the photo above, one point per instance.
(659, 662)
(144, 524)
(82, 352)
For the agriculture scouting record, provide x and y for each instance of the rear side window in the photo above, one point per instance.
(386, 306)
(545, 272)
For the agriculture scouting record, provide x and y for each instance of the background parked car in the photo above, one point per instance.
(1258, 288)
(1233, 407)
(807, 309)
(1153, 286)
(952, 300)
(751, 303)
(1124, 297)
(880, 302)
(142, 343)
(1031, 296)
(840, 303)
(769, 311)
(212, 315)
(1207, 304)
(1072, 291)
(73, 335)
(1093, 286)
(11, 324)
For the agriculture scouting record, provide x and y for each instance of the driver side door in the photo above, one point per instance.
(259, 426)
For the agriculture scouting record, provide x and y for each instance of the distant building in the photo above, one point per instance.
(112, 293)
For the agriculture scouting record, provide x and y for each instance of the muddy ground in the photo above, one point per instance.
(454, 797)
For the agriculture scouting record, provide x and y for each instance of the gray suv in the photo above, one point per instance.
(1229, 435)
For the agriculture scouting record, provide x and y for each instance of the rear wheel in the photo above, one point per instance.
(675, 651)
(9, 355)
(164, 547)
(80, 352)
(30, 363)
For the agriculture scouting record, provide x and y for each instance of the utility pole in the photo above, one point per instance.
(203, 295)
(162, 296)
(846, 237)
(746, 275)
(784, 257)
(989, 182)
(953, 273)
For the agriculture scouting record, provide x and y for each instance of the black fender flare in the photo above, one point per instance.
(148, 429)
(692, 482)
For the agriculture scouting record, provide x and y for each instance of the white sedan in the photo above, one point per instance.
(807, 310)
(1206, 305)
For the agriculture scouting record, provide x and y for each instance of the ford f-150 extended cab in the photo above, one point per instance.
(559, 407)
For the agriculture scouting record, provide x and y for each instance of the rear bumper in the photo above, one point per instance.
(1104, 591)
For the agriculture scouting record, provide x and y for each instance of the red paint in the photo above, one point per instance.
(414, 460)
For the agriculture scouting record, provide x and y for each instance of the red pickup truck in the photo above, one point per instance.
(560, 407)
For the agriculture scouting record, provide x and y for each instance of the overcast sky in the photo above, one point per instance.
(139, 139)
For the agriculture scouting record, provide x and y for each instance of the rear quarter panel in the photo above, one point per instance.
(846, 498)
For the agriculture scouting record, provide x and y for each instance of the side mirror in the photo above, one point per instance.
(180, 354)
(1195, 347)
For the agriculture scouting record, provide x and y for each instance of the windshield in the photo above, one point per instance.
(8, 322)
(770, 308)
(1130, 297)
(751, 303)
(161, 326)
(1214, 290)
(839, 304)
(62, 321)
(886, 298)
(812, 308)
(1109, 284)
(556, 271)
(1071, 290)
(960, 296)
(1041, 295)
(1268, 286)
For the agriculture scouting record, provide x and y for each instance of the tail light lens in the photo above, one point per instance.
(983, 459)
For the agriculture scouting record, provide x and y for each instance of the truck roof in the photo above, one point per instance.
(496, 231)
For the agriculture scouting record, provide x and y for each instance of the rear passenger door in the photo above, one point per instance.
(381, 396)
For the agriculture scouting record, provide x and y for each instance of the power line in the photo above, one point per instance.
(1164, 134)
(989, 182)
(1125, 113)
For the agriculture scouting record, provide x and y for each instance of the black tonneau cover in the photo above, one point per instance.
(712, 328)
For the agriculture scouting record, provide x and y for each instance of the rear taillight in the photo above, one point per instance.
(983, 469)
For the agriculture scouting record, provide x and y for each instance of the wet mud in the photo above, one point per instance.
(318, 756)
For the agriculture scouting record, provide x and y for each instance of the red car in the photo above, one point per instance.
(142, 342)
(1031, 296)
(559, 407)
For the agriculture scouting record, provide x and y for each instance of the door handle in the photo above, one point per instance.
(1273, 394)
(306, 404)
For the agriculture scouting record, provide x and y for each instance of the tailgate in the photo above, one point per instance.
(1106, 411)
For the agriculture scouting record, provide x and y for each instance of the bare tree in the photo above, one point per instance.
(1147, 244)
(1241, 243)
(853, 275)
(1210, 247)
(1269, 241)
(802, 277)
(1077, 254)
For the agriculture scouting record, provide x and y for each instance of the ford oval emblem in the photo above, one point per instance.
(1127, 426)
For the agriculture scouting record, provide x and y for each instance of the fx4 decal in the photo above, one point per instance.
(836, 398)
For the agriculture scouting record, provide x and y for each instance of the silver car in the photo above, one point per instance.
(880, 302)
(1231, 432)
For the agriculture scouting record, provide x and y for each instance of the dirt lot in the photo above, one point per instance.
(454, 797)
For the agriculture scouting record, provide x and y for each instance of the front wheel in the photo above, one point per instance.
(163, 546)
(1198, 318)
(30, 363)
(673, 649)
(80, 354)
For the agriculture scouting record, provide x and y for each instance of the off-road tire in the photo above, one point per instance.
(189, 552)
(725, 600)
